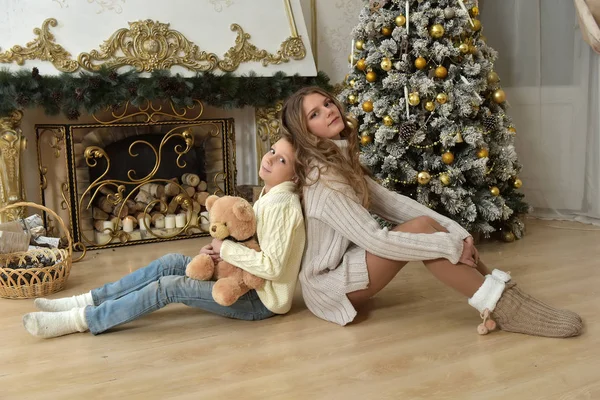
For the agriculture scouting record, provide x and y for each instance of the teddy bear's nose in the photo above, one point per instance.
(213, 228)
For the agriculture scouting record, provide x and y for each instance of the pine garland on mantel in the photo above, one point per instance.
(72, 94)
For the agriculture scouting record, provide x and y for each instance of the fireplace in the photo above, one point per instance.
(140, 176)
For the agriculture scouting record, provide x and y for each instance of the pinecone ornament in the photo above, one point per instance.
(407, 130)
(489, 122)
(73, 114)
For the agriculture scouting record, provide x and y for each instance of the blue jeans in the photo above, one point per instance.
(154, 286)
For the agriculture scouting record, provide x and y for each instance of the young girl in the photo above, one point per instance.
(348, 258)
(281, 234)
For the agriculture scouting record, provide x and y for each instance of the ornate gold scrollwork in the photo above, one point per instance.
(12, 144)
(147, 46)
(42, 48)
(151, 45)
(244, 51)
(153, 113)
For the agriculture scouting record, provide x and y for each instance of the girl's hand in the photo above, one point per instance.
(470, 255)
(216, 246)
(208, 249)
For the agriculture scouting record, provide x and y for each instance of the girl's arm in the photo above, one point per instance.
(280, 224)
(398, 209)
(355, 223)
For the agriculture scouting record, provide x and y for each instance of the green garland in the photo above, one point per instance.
(72, 93)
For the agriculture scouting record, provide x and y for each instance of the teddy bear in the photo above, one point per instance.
(230, 217)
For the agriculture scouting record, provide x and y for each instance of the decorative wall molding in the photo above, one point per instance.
(149, 45)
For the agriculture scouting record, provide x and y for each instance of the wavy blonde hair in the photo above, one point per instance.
(315, 152)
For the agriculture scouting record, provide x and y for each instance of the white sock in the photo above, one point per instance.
(487, 296)
(53, 324)
(64, 303)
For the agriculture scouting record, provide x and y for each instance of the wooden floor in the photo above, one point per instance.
(417, 339)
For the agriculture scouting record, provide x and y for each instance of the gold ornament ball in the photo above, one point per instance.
(352, 99)
(463, 48)
(436, 31)
(386, 64)
(367, 106)
(499, 96)
(420, 63)
(472, 49)
(441, 72)
(448, 158)
(414, 99)
(492, 77)
(371, 76)
(352, 82)
(400, 20)
(476, 25)
(365, 140)
(518, 183)
(386, 31)
(360, 45)
(475, 11)
(430, 106)
(508, 237)
(388, 121)
(494, 191)
(361, 64)
(512, 130)
(423, 178)
(441, 98)
(483, 153)
(445, 179)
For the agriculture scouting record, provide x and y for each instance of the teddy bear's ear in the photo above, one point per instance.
(210, 200)
(243, 210)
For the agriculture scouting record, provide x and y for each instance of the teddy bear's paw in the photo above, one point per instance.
(200, 268)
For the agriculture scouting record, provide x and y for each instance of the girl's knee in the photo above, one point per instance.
(421, 224)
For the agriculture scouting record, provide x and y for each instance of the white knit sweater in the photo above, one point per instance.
(340, 230)
(281, 235)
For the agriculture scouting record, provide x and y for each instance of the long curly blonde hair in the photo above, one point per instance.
(323, 154)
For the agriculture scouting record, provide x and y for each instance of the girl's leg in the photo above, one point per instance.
(170, 264)
(171, 289)
(381, 270)
(155, 295)
(514, 310)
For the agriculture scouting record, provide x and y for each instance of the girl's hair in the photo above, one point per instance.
(311, 149)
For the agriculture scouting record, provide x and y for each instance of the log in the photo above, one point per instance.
(190, 190)
(190, 179)
(131, 205)
(202, 186)
(105, 204)
(172, 189)
(99, 214)
(105, 190)
(144, 197)
(201, 197)
(154, 189)
(124, 211)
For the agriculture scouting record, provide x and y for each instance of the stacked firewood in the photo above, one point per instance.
(158, 206)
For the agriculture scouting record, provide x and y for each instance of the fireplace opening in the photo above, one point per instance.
(134, 157)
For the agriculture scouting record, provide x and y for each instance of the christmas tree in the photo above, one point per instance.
(432, 113)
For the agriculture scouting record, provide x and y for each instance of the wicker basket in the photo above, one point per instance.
(27, 283)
